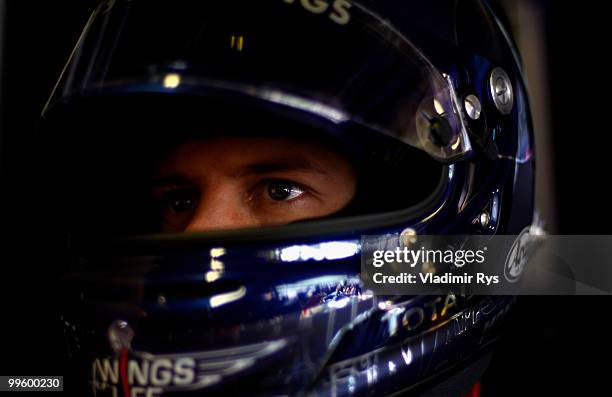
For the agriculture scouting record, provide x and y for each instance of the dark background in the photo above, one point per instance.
(555, 344)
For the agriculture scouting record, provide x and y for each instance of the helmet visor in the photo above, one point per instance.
(335, 61)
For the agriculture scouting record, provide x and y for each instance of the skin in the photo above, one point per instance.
(229, 183)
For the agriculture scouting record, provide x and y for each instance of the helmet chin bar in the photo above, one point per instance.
(343, 339)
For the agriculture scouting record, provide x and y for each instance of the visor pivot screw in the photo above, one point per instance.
(484, 220)
(501, 91)
(120, 335)
(408, 237)
(473, 107)
(440, 131)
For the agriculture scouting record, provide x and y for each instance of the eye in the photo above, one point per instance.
(280, 190)
(180, 200)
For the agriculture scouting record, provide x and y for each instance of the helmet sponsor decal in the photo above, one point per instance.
(337, 10)
(518, 256)
(144, 374)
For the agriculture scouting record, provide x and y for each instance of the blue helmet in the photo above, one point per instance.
(428, 97)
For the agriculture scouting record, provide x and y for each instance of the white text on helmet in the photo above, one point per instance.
(337, 10)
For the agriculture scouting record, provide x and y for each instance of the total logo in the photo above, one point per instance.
(139, 374)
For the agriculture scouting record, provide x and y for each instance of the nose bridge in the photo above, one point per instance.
(220, 207)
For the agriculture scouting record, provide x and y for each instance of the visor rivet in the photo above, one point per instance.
(501, 91)
(473, 107)
(408, 237)
(120, 335)
(485, 220)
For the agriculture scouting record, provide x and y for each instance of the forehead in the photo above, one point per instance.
(254, 154)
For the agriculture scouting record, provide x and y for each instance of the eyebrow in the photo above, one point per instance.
(265, 167)
(258, 168)
(174, 179)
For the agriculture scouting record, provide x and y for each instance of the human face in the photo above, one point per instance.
(228, 183)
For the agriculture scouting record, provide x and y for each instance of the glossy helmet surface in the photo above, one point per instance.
(427, 95)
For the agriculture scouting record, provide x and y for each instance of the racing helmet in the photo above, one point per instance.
(426, 97)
